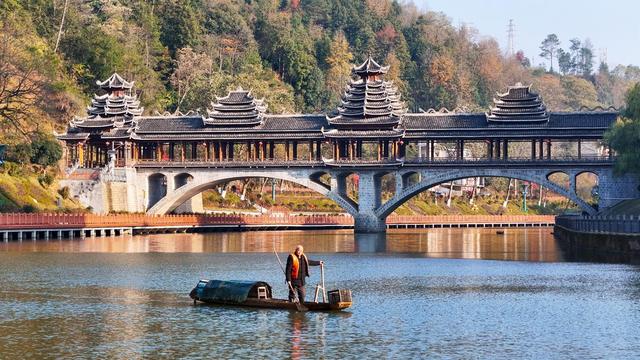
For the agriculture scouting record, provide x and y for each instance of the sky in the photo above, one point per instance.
(612, 26)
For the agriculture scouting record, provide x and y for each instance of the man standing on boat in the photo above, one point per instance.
(297, 270)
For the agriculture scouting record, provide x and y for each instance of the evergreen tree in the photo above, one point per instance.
(548, 49)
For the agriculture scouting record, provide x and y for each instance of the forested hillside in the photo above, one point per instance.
(297, 54)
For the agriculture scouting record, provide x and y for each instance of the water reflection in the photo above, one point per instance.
(509, 244)
(370, 243)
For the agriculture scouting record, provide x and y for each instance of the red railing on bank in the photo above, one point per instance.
(10, 221)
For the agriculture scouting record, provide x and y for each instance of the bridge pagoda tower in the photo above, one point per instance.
(367, 130)
(366, 135)
(109, 118)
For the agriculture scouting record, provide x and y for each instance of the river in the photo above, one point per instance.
(445, 293)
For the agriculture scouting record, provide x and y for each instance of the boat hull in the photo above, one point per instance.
(281, 304)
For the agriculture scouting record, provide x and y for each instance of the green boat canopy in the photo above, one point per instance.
(231, 291)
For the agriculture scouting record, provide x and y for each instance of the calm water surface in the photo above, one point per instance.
(448, 293)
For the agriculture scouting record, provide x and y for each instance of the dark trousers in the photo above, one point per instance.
(299, 288)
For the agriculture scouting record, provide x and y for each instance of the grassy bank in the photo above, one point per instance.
(25, 190)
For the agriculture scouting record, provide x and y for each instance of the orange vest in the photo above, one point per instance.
(295, 266)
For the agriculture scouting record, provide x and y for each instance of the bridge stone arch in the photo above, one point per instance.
(434, 177)
(207, 180)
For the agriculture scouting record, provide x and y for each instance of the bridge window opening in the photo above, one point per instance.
(182, 180)
(157, 189)
(326, 150)
(387, 187)
(519, 150)
(352, 181)
(322, 178)
(410, 178)
(560, 178)
(562, 149)
(473, 150)
(587, 187)
(445, 151)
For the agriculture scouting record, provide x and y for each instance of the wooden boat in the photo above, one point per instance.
(257, 294)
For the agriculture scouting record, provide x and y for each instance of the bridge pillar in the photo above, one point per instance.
(614, 189)
(369, 198)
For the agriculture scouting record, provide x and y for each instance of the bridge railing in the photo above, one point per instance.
(601, 224)
(469, 219)
(10, 221)
(72, 221)
(476, 160)
(227, 163)
(224, 163)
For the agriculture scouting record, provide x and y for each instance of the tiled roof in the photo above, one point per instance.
(193, 124)
(169, 124)
(335, 133)
(369, 66)
(118, 133)
(442, 122)
(230, 136)
(73, 136)
(115, 81)
(95, 123)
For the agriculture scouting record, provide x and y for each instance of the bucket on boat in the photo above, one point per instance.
(339, 295)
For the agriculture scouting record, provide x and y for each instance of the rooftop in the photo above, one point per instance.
(115, 81)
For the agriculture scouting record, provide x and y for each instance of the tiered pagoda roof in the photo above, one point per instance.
(116, 108)
(238, 108)
(518, 105)
(113, 110)
(369, 104)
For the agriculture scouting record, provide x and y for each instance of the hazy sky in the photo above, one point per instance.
(613, 26)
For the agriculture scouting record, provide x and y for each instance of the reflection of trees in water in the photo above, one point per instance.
(533, 244)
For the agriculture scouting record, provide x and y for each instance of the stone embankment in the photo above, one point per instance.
(613, 238)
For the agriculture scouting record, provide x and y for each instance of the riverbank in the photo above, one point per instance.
(600, 238)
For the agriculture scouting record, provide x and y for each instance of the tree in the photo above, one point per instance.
(45, 150)
(604, 85)
(191, 68)
(20, 153)
(632, 110)
(339, 61)
(180, 24)
(624, 136)
(586, 59)
(565, 64)
(522, 59)
(24, 65)
(548, 49)
(579, 93)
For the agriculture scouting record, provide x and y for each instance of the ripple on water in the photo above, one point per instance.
(132, 305)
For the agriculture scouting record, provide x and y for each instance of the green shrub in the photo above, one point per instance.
(19, 153)
(46, 151)
(64, 192)
(46, 179)
(29, 209)
(13, 169)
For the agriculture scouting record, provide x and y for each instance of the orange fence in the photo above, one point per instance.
(10, 221)
(468, 219)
